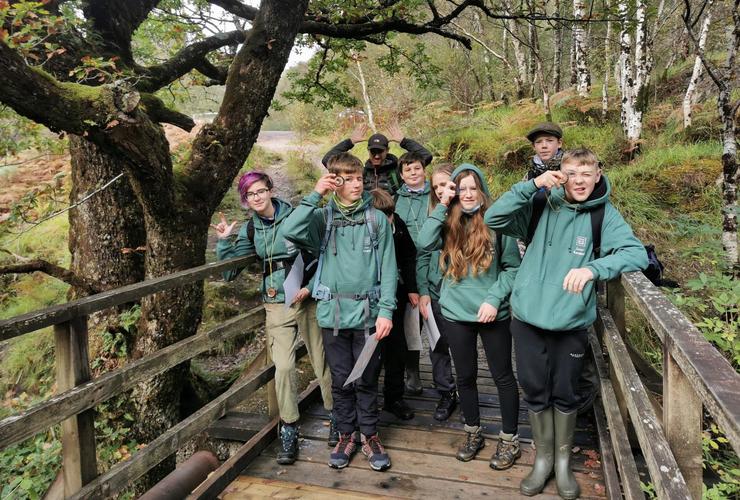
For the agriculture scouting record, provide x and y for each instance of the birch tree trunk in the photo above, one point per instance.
(626, 81)
(521, 75)
(689, 99)
(360, 77)
(558, 57)
(607, 66)
(724, 79)
(580, 45)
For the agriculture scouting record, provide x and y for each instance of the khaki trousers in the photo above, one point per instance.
(282, 327)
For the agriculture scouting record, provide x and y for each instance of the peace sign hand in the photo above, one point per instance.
(223, 228)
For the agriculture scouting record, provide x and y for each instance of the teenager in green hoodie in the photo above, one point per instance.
(428, 276)
(355, 284)
(264, 235)
(554, 301)
(479, 267)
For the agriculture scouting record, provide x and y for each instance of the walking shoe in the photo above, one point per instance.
(400, 408)
(474, 442)
(507, 451)
(445, 406)
(373, 449)
(333, 431)
(288, 452)
(413, 379)
(343, 451)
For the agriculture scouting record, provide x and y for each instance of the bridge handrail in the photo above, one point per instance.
(35, 320)
(74, 405)
(694, 374)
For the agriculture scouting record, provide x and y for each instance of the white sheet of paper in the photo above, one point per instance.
(431, 328)
(412, 328)
(363, 359)
(292, 283)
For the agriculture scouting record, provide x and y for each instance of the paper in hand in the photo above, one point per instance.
(292, 283)
(431, 328)
(412, 328)
(363, 359)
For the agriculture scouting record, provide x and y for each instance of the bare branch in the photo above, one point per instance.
(87, 286)
(156, 77)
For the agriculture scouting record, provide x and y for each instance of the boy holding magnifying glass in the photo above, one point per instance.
(553, 302)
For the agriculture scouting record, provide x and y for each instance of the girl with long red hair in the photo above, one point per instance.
(478, 268)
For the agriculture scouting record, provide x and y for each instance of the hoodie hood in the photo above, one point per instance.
(469, 166)
(404, 191)
(282, 210)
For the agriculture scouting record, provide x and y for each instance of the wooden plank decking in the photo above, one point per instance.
(422, 451)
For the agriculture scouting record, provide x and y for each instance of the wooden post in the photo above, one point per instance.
(682, 412)
(615, 303)
(79, 465)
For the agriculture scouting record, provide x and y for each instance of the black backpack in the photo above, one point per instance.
(538, 207)
(655, 268)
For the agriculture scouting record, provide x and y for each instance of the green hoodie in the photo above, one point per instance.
(413, 208)
(561, 242)
(460, 300)
(269, 241)
(349, 264)
(428, 273)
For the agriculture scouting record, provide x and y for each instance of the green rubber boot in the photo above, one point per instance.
(544, 439)
(565, 426)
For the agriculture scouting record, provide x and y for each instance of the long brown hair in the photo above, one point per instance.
(468, 243)
(440, 168)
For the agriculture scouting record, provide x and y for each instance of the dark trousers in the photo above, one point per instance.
(357, 404)
(440, 356)
(549, 365)
(496, 340)
(394, 349)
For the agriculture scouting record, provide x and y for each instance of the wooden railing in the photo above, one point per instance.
(74, 405)
(695, 375)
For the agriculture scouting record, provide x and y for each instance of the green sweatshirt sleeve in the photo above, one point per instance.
(422, 271)
(510, 260)
(622, 251)
(430, 236)
(228, 248)
(305, 225)
(389, 276)
(510, 214)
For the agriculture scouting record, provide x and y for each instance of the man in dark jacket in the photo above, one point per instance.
(381, 167)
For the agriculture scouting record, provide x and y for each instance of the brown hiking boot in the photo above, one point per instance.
(507, 451)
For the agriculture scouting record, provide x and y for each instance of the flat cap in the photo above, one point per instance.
(546, 128)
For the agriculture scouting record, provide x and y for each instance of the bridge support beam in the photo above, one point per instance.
(682, 412)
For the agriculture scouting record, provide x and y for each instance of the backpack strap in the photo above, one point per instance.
(250, 230)
(538, 207)
(597, 220)
(318, 291)
(372, 228)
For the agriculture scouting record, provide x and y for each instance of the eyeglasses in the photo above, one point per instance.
(260, 193)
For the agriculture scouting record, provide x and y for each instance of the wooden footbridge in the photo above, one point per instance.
(644, 427)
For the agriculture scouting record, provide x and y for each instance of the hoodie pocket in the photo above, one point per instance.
(546, 305)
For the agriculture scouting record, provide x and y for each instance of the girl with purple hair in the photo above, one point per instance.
(263, 235)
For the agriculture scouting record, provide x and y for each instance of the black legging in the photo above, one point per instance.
(496, 339)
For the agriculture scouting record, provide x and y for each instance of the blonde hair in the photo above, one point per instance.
(579, 157)
(468, 243)
(439, 168)
(345, 163)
